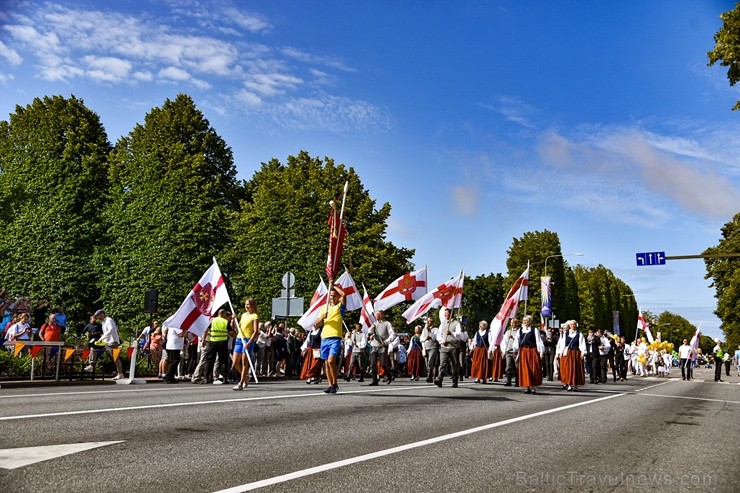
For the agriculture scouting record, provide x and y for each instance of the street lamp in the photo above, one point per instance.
(577, 254)
(561, 255)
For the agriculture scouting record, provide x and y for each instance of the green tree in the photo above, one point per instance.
(673, 328)
(282, 227)
(600, 294)
(727, 47)
(725, 275)
(482, 298)
(172, 195)
(535, 248)
(53, 175)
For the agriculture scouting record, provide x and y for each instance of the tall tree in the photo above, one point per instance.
(727, 46)
(282, 227)
(725, 275)
(173, 189)
(53, 175)
(538, 248)
(483, 297)
(600, 294)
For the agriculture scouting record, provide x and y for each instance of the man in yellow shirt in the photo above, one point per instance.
(332, 317)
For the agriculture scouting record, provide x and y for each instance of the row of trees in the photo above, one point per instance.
(91, 224)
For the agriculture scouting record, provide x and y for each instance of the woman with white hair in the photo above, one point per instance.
(571, 351)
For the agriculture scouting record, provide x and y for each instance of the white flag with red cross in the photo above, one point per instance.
(448, 294)
(409, 287)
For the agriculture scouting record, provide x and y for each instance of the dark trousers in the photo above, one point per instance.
(685, 365)
(173, 359)
(511, 369)
(717, 371)
(595, 374)
(374, 355)
(613, 366)
(621, 365)
(549, 360)
(220, 348)
(355, 363)
(192, 359)
(603, 360)
(727, 368)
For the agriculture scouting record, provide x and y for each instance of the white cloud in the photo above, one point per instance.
(174, 73)
(670, 167)
(272, 84)
(109, 69)
(10, 54)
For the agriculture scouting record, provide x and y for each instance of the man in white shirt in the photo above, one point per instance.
(111, 339)
(450, 338)
(381, 336)
(431, 348)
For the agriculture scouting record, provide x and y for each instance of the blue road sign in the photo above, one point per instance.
(650, 258)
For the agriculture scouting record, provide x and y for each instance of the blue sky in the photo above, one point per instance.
(477, 121)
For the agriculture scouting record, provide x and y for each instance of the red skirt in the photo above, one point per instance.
(414, 363)
(311, 366)
(497, 365)
(571, 368)
(479, 369)
(530, 369)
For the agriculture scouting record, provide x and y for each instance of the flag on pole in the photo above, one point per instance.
(318, 300)
(207, 296)
(695, 342)
(409, 287)
(448, 294)
(546, 286)
(518, 292)
(367, 314)
(337, 231)
(642, 324)
(353, 301)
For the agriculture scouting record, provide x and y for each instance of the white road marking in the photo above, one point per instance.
(381, 453)
(653, 386)
(13, 458)
(90, 392)
(692, 398)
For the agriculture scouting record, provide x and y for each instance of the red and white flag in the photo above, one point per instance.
(314, 308)
(448, 294)
(695, 343)
(367, 314)
(518, 292)
(642, 324)
(203, 302)
(351, 293)
(337, 231)
(409, 287)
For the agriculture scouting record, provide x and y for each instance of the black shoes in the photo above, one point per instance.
(374, 383)
(438, 383)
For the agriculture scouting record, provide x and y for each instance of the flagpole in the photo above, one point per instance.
(527, 298)
(244, 345)
(337, 246)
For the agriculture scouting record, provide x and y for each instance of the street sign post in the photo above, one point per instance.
(650, 258)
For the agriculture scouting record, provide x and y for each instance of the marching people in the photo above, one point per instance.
(312, 362)
(450, 337)
(592, 356)
(551, 345)
(414, 354)
(380, 336)
(604, 346)
(684, 359)
(431, 348)
(480, 369)
(244, 342)
(359, 343)
(331, 319)
(621, 356)
(718, 353)
(529, 348)
(572, 353)
(508, 345)
(174, 345)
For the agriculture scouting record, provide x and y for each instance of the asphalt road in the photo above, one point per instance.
(645, 434)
